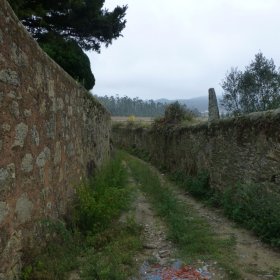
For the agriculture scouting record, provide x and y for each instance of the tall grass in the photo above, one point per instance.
(253, 206)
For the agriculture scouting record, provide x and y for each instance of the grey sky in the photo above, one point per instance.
(180, 48)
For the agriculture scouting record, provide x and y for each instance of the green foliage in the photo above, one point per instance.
(115, 253)
(86, 22)
(174, 113)
(257, 208)
(58, 255)
(63, 28)
(255, 89)
(93, 231)
(253, 206)
(103, 198)
(70, 57)
(198, 186)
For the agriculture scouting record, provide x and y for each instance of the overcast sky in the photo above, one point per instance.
(177, 49)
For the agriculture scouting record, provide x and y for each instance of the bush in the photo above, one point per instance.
(198, 185)
(257, 208)
(102, 198)
(174, 114)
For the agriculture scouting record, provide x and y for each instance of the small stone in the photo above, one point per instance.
(3, 211)
(43, 157)
(23, 209)
(6, 127)
(70, 110)
(70, 150)
(149, 246)
(27, 163)
(7, 175)
(43, 108)
(10, 77)
(15, 109)
(59, 103)
(12, 94)
(27, 113)
(21, 133)
(57, 153)
(164, 253)
(35, 136)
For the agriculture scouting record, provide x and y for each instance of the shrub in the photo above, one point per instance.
(174, 114)
(102, 199)
(256, 207)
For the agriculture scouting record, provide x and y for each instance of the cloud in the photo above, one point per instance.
(180, 48)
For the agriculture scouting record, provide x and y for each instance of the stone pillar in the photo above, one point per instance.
(213, 108)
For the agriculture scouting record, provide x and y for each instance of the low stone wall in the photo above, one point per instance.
(52, 134)
(239, 150)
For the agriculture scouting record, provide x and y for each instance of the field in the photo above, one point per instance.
(133, 118)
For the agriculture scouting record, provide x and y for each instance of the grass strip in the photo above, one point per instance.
(193, 236)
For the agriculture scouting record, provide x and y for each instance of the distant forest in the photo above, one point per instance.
(125, 106)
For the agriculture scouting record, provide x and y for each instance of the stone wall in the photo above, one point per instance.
(239, 150)
(52, 134)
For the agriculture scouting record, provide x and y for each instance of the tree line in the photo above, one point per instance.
(257, 88)
(126, 106)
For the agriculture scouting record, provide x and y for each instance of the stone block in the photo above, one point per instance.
(35, 136)
(7, 176)
(57, 153)
(3, 211)
(213, 106)
(10, 77)
(23, 209)
(14, 109)
(21, 133)
(43, 157)
(27, 163)
(6, 127)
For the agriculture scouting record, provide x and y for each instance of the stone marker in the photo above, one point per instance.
(213, 108)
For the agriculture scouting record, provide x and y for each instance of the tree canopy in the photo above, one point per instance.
(66, 27)
(70, 57)
(255, 89)
(84, 21)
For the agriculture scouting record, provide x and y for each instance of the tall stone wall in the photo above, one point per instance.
(52, 134)
(232, 151)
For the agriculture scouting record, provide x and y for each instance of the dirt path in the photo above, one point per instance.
(159, 254)
(255, 259)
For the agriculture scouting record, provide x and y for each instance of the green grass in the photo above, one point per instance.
(114, 259)
(93, 239)
(192, 235)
